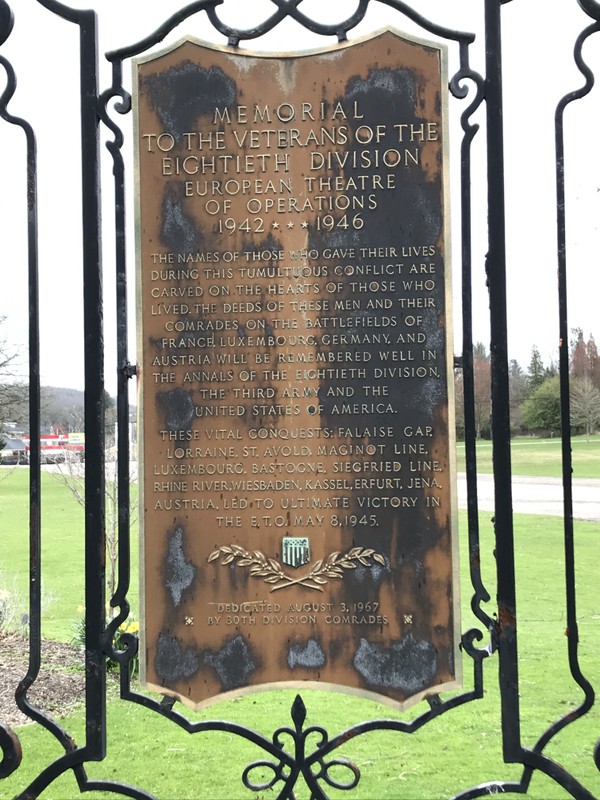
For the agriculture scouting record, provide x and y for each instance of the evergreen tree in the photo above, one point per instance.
(517, 387)
(536, 374)
(541, 410)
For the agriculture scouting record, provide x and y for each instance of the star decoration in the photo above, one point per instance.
(189, 620)
(408, 619)
(290, 224)
(304, 224)
(274, 224)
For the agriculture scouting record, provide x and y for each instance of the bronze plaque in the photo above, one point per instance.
(297, 479)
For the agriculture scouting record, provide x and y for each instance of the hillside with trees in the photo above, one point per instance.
(535, 394)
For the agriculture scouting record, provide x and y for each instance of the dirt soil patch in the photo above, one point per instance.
(58, 688)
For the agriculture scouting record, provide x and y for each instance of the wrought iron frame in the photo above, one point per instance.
(314, 763)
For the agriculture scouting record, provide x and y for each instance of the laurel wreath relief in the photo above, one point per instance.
(321, 571)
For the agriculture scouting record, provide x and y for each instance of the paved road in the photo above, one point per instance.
(538, 496)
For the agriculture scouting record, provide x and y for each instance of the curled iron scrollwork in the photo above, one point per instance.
(289, 8)
(290, 767)
(293, 753)
(12, 752)
(6, 21)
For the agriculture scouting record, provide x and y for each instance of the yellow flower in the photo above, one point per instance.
(129, 626)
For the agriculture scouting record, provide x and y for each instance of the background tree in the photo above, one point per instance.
(13, 393)
(482, 393)
(459, 402)
(518, 389)
(480, 351)
(110, 420)
(583, 357)
(536, 373)
(541, 410)
(585, 404)
(483, 389)
(593, 361)
(62, 408)
(551, 369)
(578, 359)
(71, 474)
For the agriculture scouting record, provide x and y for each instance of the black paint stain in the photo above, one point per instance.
(184, 93)
(233, 663)
(370, 576)
(270, 242)
(174, 661)
(408, 665)
(178, 407)
(306, 655)
(412, 212)
(179, 230)
(180, 572)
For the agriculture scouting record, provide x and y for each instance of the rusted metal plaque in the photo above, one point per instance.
(296, 417)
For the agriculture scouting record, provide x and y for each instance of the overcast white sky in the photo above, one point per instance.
(538, 38)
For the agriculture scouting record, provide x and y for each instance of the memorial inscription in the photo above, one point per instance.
(297, 481)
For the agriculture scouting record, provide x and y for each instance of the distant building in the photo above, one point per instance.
(14, 451)
(60, 447)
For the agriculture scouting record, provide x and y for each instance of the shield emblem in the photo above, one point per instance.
(295, 551)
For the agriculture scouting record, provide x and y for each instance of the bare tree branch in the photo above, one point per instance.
(71, 474)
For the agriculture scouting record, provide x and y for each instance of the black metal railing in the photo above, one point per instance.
(293, 753)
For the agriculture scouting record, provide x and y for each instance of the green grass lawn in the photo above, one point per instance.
(458, 750)
(541, 457)
(62, 551)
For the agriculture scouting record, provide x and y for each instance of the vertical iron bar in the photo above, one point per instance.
(125, 372)
(34, 398)
(506, 629)
(466, 216)
(35, 472)
(567, 460)
(565, 406)
(95, 538)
